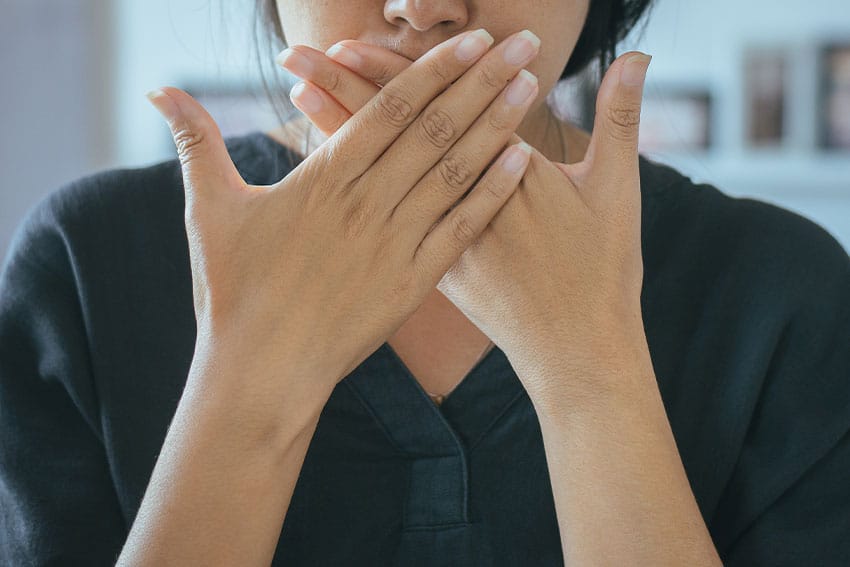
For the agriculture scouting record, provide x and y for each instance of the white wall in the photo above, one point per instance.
(161, 43)
(54, 117)
(701, 43)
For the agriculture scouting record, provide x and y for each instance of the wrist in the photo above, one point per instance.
(264, 401)
(572, 384)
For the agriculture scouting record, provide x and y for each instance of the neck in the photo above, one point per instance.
(544, 132)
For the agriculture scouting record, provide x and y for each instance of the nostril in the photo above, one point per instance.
(422, 16)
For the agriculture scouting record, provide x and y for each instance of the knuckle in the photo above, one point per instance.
(495, 190)
(462, 227)
(319, 179)
(409, 283)
(393, 108)
(188, 141)
(381, 73)
(455, 172)
(499, 120)
(437, 70)
(624, 119)
(331, 80)
(438, 128)
(488, 76)
(357, 219)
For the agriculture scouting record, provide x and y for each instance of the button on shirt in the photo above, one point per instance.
(746, 309)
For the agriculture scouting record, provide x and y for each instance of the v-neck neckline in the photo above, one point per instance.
(408, 416)
(405, 368)
(414, 423)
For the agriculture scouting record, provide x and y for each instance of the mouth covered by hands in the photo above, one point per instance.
(557, 274)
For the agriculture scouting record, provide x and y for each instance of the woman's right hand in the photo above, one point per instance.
(320, 268)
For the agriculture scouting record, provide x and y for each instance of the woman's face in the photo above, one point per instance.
(412, 27)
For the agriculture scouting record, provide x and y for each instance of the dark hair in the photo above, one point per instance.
(607, 23)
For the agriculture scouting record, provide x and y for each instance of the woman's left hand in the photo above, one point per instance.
(555, 280)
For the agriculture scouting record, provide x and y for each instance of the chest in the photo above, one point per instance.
(439, 345)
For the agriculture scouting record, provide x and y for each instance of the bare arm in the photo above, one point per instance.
(324, 265)
(221, 487)
(621, 492)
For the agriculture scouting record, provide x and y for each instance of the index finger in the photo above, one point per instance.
(401, 100)
(374, 63)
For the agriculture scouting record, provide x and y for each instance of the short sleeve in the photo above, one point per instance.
(58, 505)
(788, 499)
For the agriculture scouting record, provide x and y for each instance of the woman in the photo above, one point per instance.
(227, 358)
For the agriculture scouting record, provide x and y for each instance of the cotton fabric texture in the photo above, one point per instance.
(746, 308)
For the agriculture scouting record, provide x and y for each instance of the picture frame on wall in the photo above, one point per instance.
(834, 97)
(675, 119)
(765, 72)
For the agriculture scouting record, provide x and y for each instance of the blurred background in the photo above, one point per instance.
(752, 97)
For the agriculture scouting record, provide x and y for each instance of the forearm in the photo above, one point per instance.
(621, 492)
(222, 484)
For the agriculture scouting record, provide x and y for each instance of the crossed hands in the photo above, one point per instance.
(559, 268)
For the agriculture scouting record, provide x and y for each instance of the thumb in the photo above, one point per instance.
(614, 140)
(204, 158)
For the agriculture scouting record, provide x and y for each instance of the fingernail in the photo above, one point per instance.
(474, 45)
(307, 100)
(163, 103)
(295, 62)
(344, 55)
(634, 71)
(521, 88)
(516, 158)
(521, 48)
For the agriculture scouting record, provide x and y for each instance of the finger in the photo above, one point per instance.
(366, 136)
(614, 141)
(371, 62)
(442, 247)
(332, 91)
(325, 112)
(449, 116)
(347, 87)
(379, 66)
(444, 185)
(205, 161)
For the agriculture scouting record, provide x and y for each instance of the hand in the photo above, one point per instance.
(557, 274)
(322, 267)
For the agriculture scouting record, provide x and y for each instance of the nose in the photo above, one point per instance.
(422, 15)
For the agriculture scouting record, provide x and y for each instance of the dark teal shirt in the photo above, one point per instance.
(746, 309)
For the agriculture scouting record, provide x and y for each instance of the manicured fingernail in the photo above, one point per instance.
(521, 48)
(163, 103)
(634, 71)
(295, 62)
(516, 158)
(344, 55)
(521, 88)
(307, 99)
(474, 45)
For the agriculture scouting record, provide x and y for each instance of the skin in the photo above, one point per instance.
(544, 258)
(555, 281)
(410, 30)
(438, 342)
(274, 337)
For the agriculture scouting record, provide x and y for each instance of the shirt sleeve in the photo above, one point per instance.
(788, 499)
(58, 505)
